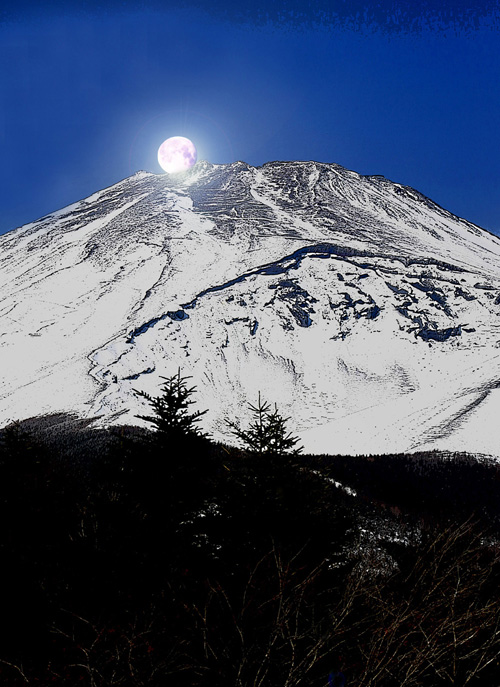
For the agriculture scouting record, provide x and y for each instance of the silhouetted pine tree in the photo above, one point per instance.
(267, 435)
(172, 419)
(174, 473)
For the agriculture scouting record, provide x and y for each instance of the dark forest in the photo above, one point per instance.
(134, 556)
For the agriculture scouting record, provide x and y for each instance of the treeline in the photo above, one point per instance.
(429, 486)
(150, 557)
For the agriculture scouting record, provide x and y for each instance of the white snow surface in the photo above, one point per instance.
(367, 313)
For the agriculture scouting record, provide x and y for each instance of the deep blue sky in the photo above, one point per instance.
(89, 90)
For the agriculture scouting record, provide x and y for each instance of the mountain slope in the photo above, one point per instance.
(365, 311)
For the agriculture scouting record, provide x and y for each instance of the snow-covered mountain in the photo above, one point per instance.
(369, 314)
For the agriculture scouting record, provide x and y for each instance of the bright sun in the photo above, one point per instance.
(177, 154)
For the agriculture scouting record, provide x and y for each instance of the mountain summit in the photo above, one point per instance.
(368, 313)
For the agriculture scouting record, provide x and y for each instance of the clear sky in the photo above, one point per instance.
(89, 90)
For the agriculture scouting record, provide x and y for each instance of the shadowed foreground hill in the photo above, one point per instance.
(133, 557)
